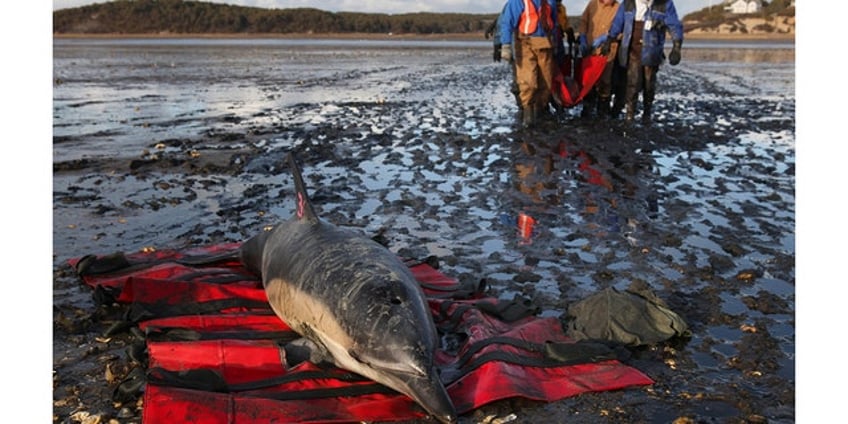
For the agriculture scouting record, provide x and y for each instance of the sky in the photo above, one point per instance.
(573, 7)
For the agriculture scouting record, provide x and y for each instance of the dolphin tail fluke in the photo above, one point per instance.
(304, 206)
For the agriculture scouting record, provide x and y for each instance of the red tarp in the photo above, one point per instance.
(572, 89)
(216, 356)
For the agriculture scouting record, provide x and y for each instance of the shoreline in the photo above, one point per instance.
(739, 37)
(288, 36)
(474, 36)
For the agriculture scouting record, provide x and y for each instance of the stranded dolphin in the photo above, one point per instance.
(352, 298)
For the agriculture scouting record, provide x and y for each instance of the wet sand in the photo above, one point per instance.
(175, 144)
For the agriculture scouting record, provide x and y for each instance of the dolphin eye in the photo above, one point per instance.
(390, 293)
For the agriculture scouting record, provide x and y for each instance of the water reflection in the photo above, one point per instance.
(739, 54)
(533, 175)
(605, 186)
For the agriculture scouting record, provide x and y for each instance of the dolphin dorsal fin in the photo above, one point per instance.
(304, 206)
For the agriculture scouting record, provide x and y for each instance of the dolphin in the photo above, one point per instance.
(352, 298)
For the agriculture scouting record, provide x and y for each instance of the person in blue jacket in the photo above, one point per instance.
(494, 32)
(643, 25)
(530, 25)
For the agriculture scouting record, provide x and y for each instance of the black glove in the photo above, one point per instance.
(674, 56)
(490, 32)
(605, 47)
(569, 34)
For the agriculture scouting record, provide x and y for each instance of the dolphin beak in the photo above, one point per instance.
(430, 393)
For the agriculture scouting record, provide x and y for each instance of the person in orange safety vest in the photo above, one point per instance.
(531, 25)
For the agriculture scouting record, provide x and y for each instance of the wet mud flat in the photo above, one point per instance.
(177, 143)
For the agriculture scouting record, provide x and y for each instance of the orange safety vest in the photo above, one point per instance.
(529, 19)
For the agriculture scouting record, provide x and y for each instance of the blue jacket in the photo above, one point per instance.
(508, 20)
(662, 14)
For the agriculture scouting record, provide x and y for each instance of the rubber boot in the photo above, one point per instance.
(617, 106)
(604, 107)
(630, 110)
(544, 112)
(528, 117)
(646, 113)
(588, 106)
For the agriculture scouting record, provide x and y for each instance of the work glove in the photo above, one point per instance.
(605, 47)
(569, 34)
(506, 52)
(674, 56)
(584, 46)
(490, 32)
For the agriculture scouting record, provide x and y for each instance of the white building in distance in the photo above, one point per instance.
(743, 6)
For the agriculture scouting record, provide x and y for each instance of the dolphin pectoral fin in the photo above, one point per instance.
(303, 349)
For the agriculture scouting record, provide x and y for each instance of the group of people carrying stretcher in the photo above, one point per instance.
(614, 55)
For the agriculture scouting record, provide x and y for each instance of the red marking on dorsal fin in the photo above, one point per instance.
(304, 206)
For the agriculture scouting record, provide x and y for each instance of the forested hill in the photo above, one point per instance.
(197, 17)
(176, 17)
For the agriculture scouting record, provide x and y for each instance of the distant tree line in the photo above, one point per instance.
(179, 16)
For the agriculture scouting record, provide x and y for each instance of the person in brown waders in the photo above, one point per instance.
(531, 22)
(595, 23)
(643, 24)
